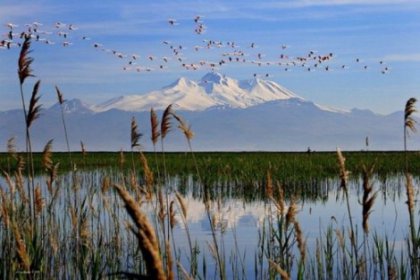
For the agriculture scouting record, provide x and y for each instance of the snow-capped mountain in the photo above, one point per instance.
(225, 114)
(213, 89)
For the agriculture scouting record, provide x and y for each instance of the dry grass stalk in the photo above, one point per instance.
(135, 134)
(34, 108)
(39, 201)
(154, 122)
(283, 274)
(11, 147)
(410, 192)
(47, 162)
(83, 148)
(121, 159)
(269, 186)
(344, 174)
(172, 220)
(169, 263)
(182, 203)
(106, 184)
(161, 214)
(185, 274)
(291, 212)
(300, 240)
(147, 238)
(22, 253)
(368, 197)
(24, 62)
(148, 175)
(165, 124)
(4, 209)
(59, 95)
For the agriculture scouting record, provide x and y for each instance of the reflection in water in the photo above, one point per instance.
(239, 213)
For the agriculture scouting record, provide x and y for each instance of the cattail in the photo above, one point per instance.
(47, 162)
(165, 124)
(135, 134)
(283, 273)
(184, 127)
(147, 238)
(300, 241)
(344, 174)
(39, 201)
(182, 203)
(154, 121)
(368, 197)
(25, 61)
(34, 108)
(59, 95)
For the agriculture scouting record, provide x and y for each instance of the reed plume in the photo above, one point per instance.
(409, 121)
(21, 250)
(368, 197)
(300, 240)
(24, 62)
(11, 147)
(34, 107)
(146, 236)
(165, 124)
(39, 201)
(135, 134)
(184, 127)
(4, 210)
(47, 162)
(154, 122)
(83, 148)
(59, 95)
(291, 212)
(344, 174)
(182, 203)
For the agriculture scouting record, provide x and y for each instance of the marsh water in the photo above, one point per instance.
(239, 222)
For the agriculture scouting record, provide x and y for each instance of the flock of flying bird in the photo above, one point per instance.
(209, 54)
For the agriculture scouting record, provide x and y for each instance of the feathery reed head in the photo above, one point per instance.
(11, 147)
(135, 134)
(368, 196)
(344, 174)
(410, 192)
(146, 235)
(410, 108)
(154, 122)
(59, 95)
(39, 201)
(184, 127)
(47, 155)
(165, 124)
(24, 62)
(291, 212)
(34, 107)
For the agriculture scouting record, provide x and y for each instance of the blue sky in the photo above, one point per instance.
(371, 31)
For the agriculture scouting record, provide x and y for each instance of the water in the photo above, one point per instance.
(239, 222)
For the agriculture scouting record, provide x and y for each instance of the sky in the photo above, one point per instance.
(381, 35)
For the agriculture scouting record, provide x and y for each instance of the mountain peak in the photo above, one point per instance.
(72, 106)
(213, 77)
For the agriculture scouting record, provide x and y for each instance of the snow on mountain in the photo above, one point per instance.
(213, 89)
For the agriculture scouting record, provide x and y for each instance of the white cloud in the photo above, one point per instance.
(413, 57)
